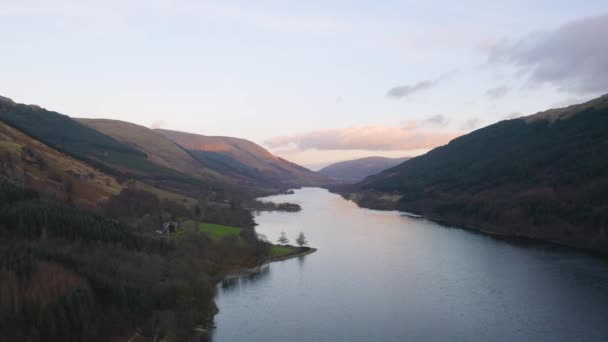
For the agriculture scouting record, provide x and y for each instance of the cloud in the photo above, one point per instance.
(378, 138)
(406, 90)
(498, 92)
(470, 124)
(572, 58)
(158, 124)
(436, 120)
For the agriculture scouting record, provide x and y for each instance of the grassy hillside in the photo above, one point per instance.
(353, 171)
(38, 166)
(178, 162)
(69, 136)
(242, 157)
(81, 258)
(157, 147)
(214, 231)
(543, 176)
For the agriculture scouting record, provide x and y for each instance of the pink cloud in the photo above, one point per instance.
(387, 138)
(158, 124)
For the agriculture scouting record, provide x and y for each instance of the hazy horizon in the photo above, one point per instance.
(315, 82)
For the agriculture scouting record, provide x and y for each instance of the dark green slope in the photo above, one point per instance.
(67, 274)
(543, 176)
(69, 136)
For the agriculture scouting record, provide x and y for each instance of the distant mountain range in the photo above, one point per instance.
(543, 176)
(179, 162)
(240, 157)
(352, 171)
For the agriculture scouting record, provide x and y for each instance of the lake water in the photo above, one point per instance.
(384, 276)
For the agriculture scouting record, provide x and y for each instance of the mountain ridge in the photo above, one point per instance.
(355, 170)
(240, 155)
(128, 150)
(557, 190)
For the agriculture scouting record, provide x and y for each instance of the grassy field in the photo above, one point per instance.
(217, 231)
(279, 251)
(214, 231)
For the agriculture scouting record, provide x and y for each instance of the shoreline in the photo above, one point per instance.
(209, 324)
(480, 228)
(248, 272)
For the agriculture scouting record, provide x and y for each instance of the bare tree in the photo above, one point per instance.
(283, 240)
(301, 240)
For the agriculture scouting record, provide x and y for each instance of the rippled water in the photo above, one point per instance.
(383, 276)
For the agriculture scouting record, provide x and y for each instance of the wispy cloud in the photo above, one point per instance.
(572, 58)
(436, 120)
(498, 92)
(402, 91)
(387, 138)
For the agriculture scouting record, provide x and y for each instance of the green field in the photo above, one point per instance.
(279, 251)
(214, 231)
(217, 231)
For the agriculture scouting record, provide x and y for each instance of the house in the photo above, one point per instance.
(169, 227)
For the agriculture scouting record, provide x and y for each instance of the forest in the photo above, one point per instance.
(67, 274)
(541, 176)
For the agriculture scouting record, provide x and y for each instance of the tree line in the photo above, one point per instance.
(300, 239)
(67, 274)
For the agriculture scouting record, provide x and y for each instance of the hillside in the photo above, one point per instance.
(38, 166)
(69, 136)
(67, 274)
(156, 146)
(543, 176)
(352, 171)
(81, 258)
(240, 157)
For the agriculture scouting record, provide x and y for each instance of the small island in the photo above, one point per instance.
(271, 206)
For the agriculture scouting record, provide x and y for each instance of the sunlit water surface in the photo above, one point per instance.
(384, 276)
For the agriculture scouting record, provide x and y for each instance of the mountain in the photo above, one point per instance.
(240, 157)
(35, 165)
(353, 171)
(71, 137)
(38, 166)
(543, 176)
(156, 146)
(81, 255)
(164, 159)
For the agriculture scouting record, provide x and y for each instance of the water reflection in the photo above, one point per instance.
(385, 276)
(301, 260)
(235, 282)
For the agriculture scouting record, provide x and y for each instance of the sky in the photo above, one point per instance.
(313, 81)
